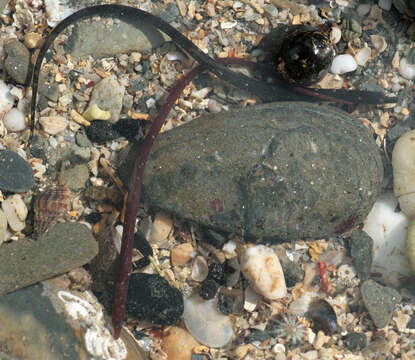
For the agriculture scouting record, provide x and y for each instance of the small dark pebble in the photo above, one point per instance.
(93, 218)
(225, 304)
(101, 131)
(257, 335)
(355, 341)
(208, 289)
(141, 263)
(142, 245)
(323, 316)
(214, 238)
(293, 273)
(152, 298)
(217, 273)
(411, 324)
(129, 128)
(16, 175)
(361, 249)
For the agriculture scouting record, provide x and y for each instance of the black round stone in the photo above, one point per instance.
(93, 218)
(101, 131)
(217, 273)
(152, 298)
(129, 128)
(208, 289)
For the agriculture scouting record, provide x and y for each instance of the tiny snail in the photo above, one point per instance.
(304, 56)
(403, 163)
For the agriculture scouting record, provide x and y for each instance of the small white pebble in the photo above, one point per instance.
(229, 247)
(14, 120)
(343, 64)
(406, 70)
(385, 4)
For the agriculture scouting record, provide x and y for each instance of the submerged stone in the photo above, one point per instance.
(276, 171)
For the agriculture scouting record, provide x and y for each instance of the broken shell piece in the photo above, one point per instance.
(86, 310)
(335, 35)
(16, 211)
(53, 124)
(6, 99)
(200, 269)
(95, 113)
(263, 270)
(363, 56)
(406, 69)
(379, 43)
(162, 227)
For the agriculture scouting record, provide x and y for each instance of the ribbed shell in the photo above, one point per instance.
(48, 205)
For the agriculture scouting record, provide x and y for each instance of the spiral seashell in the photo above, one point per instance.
(48, 205)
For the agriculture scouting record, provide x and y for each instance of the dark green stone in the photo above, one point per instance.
(277, 171)
(361, 250)
(16, 175)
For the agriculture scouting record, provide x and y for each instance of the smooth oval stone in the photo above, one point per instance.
(16, 175)
(277, 171)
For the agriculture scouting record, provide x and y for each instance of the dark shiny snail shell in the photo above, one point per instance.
(302, 54)
(48, 205)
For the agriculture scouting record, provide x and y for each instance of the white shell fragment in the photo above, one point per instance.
(406, 69)
(343, 64)
(6, 99)
(335, 35)
(88, 312)
(200, 269)
(53, 124)
(403, 164)
(162, 227)
(363, 56)
(385, 4)
(16, 211)
(379, 42)
(14, 120)
(388, 229)
(205, 323)
(263, 270)
(56, 11)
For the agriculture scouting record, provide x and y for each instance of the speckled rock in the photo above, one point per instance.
(361, 251)
(16, 175)
(278, 171)
(380, 302)
(108, 95)
(100, 39)
(64, 247)
(17, 60)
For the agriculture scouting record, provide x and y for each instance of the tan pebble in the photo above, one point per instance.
(241, 351)
(59, 77)
(33, 40)
(310, 355)
(15, 211)
(136, 56)
(396, 61)
(79, 118)
(162, 227)
(3, 226)
(405, 111)
(263, 270)
(178, 344)
(181, 254)
(53, 124)
(320, 340)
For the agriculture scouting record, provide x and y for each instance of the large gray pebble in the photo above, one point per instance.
(64, 247)
(108, 94)
(99, 39)
(380, 302)
(17, 60)
(16, 175)
(275, 171)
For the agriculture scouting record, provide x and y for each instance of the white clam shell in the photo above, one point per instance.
(53, 124)
(343, 64)
(406, 69)
(16, 211)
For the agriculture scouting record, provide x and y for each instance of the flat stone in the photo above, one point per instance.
(75, 178)
(16, 175)
(99, 39)
(17, 60)
(380, 302)
(361, 250)
(64, 247)
(277, 171)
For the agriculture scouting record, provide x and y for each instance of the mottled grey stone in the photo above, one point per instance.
(361, 250)
(108, 95)
(99, 39)
(277, 171)
(380, 302)
(75, 178)
(64, 247)
(16, 175)
(17, 60)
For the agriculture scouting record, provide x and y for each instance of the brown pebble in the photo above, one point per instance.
(33, 40)
(178, 344)
(181, 254)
